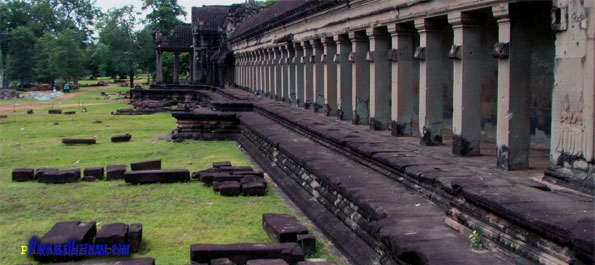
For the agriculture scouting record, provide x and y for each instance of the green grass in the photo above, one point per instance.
(174, 216)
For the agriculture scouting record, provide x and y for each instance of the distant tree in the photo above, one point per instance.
(267, 3)
(145, 52)
(164, 14)
(13, 14)
(68, 56)
(20, 47)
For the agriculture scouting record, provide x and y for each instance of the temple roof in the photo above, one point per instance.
(212, 17)
(181, 40)
(282, 12)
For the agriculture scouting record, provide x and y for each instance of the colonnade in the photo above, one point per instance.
(431, 69)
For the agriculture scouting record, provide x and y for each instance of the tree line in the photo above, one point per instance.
(66, 40)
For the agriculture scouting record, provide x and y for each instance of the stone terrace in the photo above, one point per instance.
(407, 201)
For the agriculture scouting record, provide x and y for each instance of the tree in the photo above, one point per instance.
(12, 15)
(164, 14)
(145, 52)
(20, 46)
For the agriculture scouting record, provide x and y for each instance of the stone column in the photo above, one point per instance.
(299, 74)
(360, 77)
(290, 73)
(242, 70)
(191, 62)
(330, 76)
(249, 70)
(344, 78)
(262, 67)
(308, 67)
(176, 67)
(272, 82)
(380, 78)
(466, 55)
(514, 95)
(318, 74)
(159, 68)
(265, 67)
(278, 75)
(430, 80)
(284, 94)
(402, 89)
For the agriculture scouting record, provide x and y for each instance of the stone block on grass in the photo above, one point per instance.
(62, 176)
(54, 111)
(251, 179)
(266, 262)
(23, 174)
(227, 188)
(116, 172)
(249, 173)
(282, 227)
(115, 233)
(253, 189)
(307, 242)
(157, 176)
(40, 171)
(78, 141)
(242, 252)
(95, 172)
(208, 178)
(226, 177)
(146, 165)
(62, 232)
(235, 168)
(69, 112)
(221, 164)
(135, 235)
(121, 138)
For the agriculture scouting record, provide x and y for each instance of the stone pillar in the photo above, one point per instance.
(401, 57)
(318, 74)
(299, 74)
(272, 82)
(284, 94)
(242, 70)
(266, 75)
(430, 80)
(360, 77)
(344, 78)
(380, 78)
(308, 67)
(278, 74)
(514, 94)
(290, 73)
(176, 67)
(467, 57)
(330, 76)
(159, 68)
(191, 62)
(262, 67)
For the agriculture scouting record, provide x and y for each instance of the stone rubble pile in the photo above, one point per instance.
(230, 180)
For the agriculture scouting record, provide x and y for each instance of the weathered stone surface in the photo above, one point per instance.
(78, 141)
(135, 261)
(221, 164)
(41, 171)
(307, 242)
(69, 112)
(88, 178)
(253, 188)
(22, 174)
(227, 188)
(241, 253)
(116, 172)
(226, 177)
(135, 236)
(251, 179)
(222, 261)
(95, 172)
(115, 233)
(146, 165)
(54, 111)
(62, 232)
(208, 177)
(62, 176)
(235, 168)
(266, 262)
(156, 176)
(249, 173)
(121, 138)
(282, 227)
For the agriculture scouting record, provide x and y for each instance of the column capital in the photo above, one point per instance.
(401, 29)
(460, 19)
(341, 38)
(357, 36)
(428, 24)
(306, 44)
(328, 41)
(316, 43)
(377, 33)
(501, 11)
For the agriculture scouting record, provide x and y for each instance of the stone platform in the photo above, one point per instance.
(398, 201)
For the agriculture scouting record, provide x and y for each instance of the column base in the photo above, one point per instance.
(326, 110)
(506, 162)
(355, 118)
(340, 114)
(401, 129)
(430, 139)
(464, 147)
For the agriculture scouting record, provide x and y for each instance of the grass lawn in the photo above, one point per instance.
(174, 216)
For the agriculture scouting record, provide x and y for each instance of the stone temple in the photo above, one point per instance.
(481, 113)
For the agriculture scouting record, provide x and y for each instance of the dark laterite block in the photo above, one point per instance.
(146, 165)
(266, 262)
(251, 179)
(78, 141)
(88, 178)
(198, 174)
(249, 173)
(69, 112)
(23, 174)
(135, 235)
(282, 227)
(54, 111)
(221, 164)
(63, 231)
(121, 138)
(237, 168)
(137, 261)
(62, 176)
(242, 252)
(157, 176)
(254, 189)
(228, 188)
(226, 177)
(41, 171)
(307, 242)
(222, 261)
(208, 178)
(116, 233)
(116, 172)
(95, 172)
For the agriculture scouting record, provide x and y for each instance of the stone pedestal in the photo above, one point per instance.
(401, 58)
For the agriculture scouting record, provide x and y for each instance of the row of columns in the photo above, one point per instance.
(368, 76)
(176, 67)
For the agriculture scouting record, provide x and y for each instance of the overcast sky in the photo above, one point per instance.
(187, 4)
